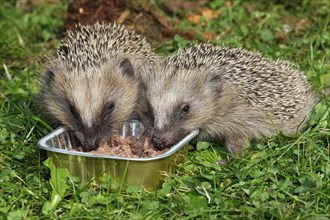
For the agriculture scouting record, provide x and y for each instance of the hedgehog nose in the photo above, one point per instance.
(159, 143)
(91, 145)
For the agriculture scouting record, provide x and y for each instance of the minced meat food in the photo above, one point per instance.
(128, 147)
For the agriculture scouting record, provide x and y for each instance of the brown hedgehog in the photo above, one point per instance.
(90, 86)
(228, 94)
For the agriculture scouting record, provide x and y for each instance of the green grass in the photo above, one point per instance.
(278, 178)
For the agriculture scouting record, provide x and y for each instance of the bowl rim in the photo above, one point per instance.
(42, 144)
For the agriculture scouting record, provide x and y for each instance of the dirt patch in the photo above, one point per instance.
(145, 18)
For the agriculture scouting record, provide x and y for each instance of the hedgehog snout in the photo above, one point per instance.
(158, 142)
(88, 140)
(166, 137)
(91, 144)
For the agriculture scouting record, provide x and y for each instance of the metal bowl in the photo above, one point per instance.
(145, 172)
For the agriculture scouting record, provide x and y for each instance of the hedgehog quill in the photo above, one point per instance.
(90, 85)
(231, 95)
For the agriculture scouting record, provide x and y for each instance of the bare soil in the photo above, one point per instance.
(146, 19)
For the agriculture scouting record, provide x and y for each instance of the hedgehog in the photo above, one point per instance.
(91, 86)
(231, 95)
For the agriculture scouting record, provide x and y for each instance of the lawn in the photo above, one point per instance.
(278, 177)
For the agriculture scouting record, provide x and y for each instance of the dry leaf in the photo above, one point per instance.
(210, 14)
(228, 4)
(193, 18)
(123, 16)
(282, 37)
(210, 36)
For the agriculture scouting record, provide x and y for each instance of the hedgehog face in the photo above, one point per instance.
(179, 101)
(92, 102)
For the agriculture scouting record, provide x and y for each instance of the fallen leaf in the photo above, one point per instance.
(123, 16)
(282, 37)
(303, 24)
(210, 36)
(210, 14)
(228, 4)
(193, 18)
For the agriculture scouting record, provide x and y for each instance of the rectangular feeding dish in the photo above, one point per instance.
(146, 172)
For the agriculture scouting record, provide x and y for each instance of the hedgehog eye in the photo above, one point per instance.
(185, 109)
(111, 107)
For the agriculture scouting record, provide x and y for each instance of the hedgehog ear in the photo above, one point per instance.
(215, 82)
(50, 76)
(126, 67)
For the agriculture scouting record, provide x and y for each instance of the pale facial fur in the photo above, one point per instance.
(179, 103)
(91, 102)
